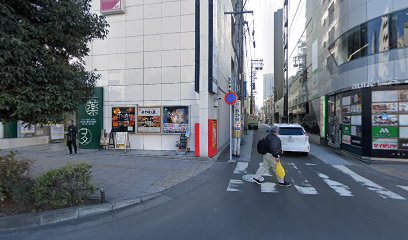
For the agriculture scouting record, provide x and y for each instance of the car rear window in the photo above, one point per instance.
(291, 131)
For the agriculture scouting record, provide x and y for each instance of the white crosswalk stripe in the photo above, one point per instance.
(384, 193)
(303, 186)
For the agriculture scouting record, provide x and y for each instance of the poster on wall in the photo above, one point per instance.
(346, 120)
(355, 108)
(346, 101)
(175, 119)
(385, 120)
(403, 119)
(381, 96)
(345, 110)
(385, 132)
(385, 107)
(403, 107)
(355, 98)
(356, 120)
(123, 119)
(385, 143)
(346, 139)
(148, 119)
(356, 131)
(403, 95)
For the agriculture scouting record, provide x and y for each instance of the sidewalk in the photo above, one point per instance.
(124, 176)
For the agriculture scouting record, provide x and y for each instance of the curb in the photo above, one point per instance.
(31, 220)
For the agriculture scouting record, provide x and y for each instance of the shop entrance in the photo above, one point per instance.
(333, 123)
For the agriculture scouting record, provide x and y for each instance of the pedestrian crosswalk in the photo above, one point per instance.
(341, 179)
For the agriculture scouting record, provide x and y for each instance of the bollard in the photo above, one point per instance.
(102, 191)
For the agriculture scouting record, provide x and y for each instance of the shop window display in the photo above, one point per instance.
(352, 119)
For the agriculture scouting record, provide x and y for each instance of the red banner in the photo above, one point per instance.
(212, 138)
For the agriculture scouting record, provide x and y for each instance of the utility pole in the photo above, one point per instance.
(286, 65)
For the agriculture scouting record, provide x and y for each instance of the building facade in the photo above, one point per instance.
(278, 64)
(169, 63)
(268, 93)
(354, 82)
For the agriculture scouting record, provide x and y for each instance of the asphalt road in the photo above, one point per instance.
(330, 198)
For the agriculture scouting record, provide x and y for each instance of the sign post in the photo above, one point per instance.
(237, 128)
(230, 98)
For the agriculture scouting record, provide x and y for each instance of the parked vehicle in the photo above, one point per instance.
(294, 138)
(253, 122)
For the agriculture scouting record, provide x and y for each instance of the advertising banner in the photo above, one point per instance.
(385, 107)
(385, 143)
(123, 119)
(323, 116)
(90, 117)
(148, 119)
(385, 132)
(212, 137)
(176, 119)
(385, 120)
(237, 119)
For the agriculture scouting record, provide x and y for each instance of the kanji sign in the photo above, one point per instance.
(230, 98)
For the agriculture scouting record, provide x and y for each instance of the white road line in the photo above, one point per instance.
(304, 187)
(340, 188)
(310, 164)
(384, 193)
(241, 168)
(268, 187)
(403, 187)
(234, 185)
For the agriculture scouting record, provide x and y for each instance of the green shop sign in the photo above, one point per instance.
(346, 130)
(385, 132)
(90, 121)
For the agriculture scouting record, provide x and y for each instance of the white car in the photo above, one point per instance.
(293, 138)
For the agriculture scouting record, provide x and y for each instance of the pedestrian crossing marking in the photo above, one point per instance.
(340, 188)
(384, 193)
(403, 187)
(241, 168)
(268, 187)
(234, 185)
(310, 164)
(304, 187)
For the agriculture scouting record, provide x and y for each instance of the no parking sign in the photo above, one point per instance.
(230, 98)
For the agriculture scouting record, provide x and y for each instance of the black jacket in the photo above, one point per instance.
(72, 132)
(275, 145)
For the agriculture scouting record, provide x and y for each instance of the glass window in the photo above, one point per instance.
(291, 131)
(363, 42)
(353, 43)
(378, 35)
(339, 50)
(399, 29)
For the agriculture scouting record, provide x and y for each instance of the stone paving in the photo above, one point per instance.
(123, 175)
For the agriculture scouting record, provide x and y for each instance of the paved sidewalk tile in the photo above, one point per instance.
(122, 175)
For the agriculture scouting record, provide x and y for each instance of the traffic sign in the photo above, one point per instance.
(230, 98)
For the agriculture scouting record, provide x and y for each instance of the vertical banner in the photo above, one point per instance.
(90, 121)
(237, 119)
(212, 138)
(323, 116)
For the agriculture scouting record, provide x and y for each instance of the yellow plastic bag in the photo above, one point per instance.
(280, 171)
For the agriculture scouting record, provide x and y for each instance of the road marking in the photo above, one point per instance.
(268, 187)
(304, 187)
(234, 185)
(241, 168)
(384, 193)
(403, 187)
(340, 188)
(310, 164)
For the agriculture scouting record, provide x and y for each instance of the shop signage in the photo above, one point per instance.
(323, 116)
(385, 132)
(176, 119)
(121, 140)
(90, 117)
(148, 119)
(346, 130)
(372, 84)
(385, 120)
(385, 143)
(123, 119)
(112, 6)
(212, 137)
(237, 119)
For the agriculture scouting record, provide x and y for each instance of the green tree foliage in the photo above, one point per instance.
(42, 48)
